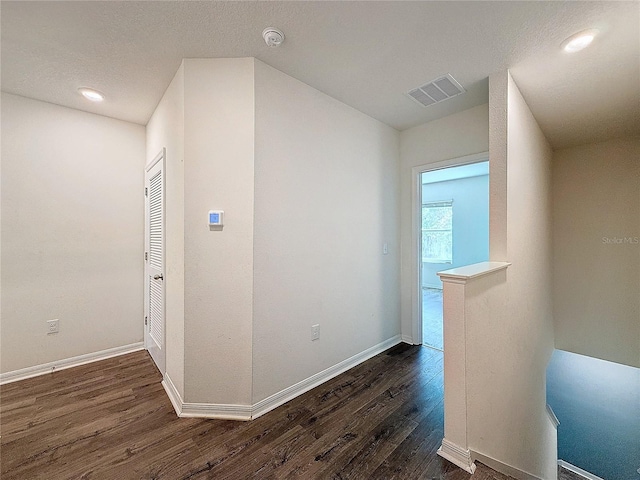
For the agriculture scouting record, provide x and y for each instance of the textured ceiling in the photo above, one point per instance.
(366, 54)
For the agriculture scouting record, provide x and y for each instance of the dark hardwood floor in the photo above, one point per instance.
(112, 420)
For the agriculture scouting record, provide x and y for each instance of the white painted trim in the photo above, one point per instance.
(409, 340)
(452, 162)
(289, 393)
(578, 470)
(469, 272)
(173, 394)
(63, 364)
(203, 410)
(552, 417)
(156, 159)
(457, 455)
(217, 411)
(249, 412)
(416, 253)
(498, 466)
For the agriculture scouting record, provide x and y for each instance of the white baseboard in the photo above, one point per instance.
(457, 455)
(289, 393)
(203, 410)
(552, 417)
(249, 412)
(173, 394)
(409, 340)
(498, 466)
(578, 470)
(51, 367)
(216, 410)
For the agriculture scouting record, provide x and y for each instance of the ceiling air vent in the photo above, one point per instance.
(436, 91)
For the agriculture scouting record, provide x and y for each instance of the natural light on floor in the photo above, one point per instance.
(432, 318)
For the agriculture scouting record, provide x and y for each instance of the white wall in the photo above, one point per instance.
(529, 285)
(219, 156)
(596, 215)
(206, 122)
(166, 130)
(470, 223)
(72, 232)
(508, 359)
(455, 136)
(316, 253)
(326, 199)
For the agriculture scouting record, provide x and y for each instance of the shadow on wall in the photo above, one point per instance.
(598, 405)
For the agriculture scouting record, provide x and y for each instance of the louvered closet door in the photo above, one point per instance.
(154, 261)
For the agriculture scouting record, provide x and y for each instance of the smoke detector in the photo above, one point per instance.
(273, 37)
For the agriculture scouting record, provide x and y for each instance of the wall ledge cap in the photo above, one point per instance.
(470, 272)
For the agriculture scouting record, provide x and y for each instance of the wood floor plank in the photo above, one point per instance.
(385, 430)
(383, 419)
(333, 433)
(408, 456)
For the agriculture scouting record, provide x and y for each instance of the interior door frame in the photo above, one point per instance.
(416, 230)
(160, 157)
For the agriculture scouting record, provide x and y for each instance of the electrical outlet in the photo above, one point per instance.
(315, 332)
(385, 249)
(52, 326)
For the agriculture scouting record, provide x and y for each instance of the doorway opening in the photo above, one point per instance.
(454, 231)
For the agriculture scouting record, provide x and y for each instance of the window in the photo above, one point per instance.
(437, 232)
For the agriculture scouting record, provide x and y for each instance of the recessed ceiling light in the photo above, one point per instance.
(579, 41)
(91, 94)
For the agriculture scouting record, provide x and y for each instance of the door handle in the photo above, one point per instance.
(158, 277)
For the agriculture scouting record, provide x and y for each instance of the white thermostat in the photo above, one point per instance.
(215, 218)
